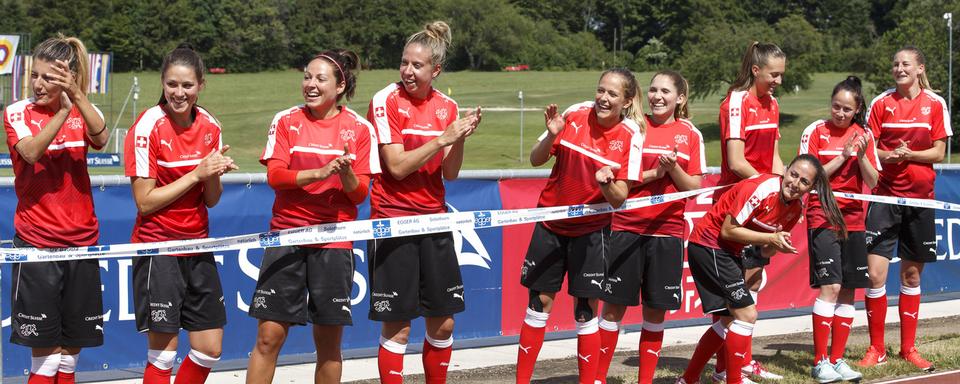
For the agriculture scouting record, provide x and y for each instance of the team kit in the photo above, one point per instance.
(323, 159)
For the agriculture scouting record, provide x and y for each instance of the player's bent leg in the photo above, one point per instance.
(263, 359)
(205, 349)
(532, 332)
(161, 356)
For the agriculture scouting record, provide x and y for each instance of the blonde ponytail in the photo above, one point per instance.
(435, 36)
(70, 50)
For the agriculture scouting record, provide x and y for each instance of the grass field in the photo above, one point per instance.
(246, 103)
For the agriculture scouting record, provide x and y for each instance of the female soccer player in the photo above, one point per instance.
(607, 131)
(912, 125)
(646, 244)
(838, 267)
(174, 161)
(759, 211)
(421, 143)
(48, 136)
(319, 159)
(750, 136)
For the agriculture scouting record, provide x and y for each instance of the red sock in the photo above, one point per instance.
(390, 361)
(709, 344)
(588, 350)
(436, 359)
(876, 315)
(609, 334)
(41, 379)
(531, 340)
(65, 378)
(721, 364)
(823, 312)
(154, 375)
(191, 372)
(651, 340)
(738, 344)
(841, 331)
(909, 314)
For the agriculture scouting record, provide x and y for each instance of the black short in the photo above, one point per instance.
(550, 256)
(288, 274)
(414, 276)
(719, 278)
(835, 261)
(650, 266)
(173, 292)
(913, 227)
(56, 303)
(752, 257)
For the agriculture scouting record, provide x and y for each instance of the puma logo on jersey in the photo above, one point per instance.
(597, 283)
(655, 353)
(525, 349)
(576, 127)
(891, 110)
(584, 358)
(676, 296)
(913, 315)
(933, 250)
(346, 309)
(167, 143)
(458, 296)
(405, 112)
(297, 128)
(753, 111)
(825, 138)
(37, 123)
(98, 327)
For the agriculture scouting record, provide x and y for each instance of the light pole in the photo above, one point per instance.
(949, 17)
(520, 96)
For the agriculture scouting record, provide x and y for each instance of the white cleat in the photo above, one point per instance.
(754, 368)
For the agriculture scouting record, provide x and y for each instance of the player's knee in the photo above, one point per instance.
(582, 311)
(269, 341)
(534, 301)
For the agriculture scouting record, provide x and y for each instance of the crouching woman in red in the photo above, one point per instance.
(760, 211)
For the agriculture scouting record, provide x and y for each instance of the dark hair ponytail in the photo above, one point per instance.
(758, 54)
(182, 55)
(345, 63)
(853, 85)
(828, 202)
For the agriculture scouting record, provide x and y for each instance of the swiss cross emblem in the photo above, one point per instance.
(74, 123)
(348, 135)
(442, 114)
(616, 145)
(925, 110)
(141, 141)
(681, 139)
(734, 112)
(754, 201)
(207, 139)
(16, 116)
(379, 112)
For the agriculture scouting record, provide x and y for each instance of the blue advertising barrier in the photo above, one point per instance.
(247, 209)
(94, 159)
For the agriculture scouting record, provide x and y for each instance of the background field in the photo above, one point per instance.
(246, 103)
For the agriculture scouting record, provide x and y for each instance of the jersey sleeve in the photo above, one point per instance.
(731, 118)
(744, 202)
(697, 165)
(385, 118)
(871, 151)
(631, 165)
(278, 144)
(875, 118)
(368, 155)
(940, 121)
(15, 123)
(141, 143)
(808, 143)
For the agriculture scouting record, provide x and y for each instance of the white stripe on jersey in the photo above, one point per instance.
(946, 114)
(19, 126)
(703, 151)
(906, 125)
(763, 190)
(581, 150)
(146, 124)
(806, 135)
(577, 107)
(380, 120)
(65, 145)
(758, 127)
(667, 152)
(420, 132)
(321, 151)
(374, 155)
(735, 123)
(834, 153)
(763, 225)
(272, 132)
(177, 164)
(635, 161)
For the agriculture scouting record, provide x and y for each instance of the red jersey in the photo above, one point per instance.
(920, 122)
(402, 119)
(303, 142)
(157, 148)
(825, 141)
(664, 219)
(582, 148)
(754, 120)
(54, 204)
(755, 204)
